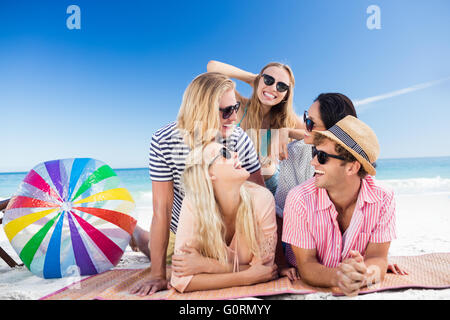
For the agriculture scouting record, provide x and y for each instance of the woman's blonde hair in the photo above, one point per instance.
(210, 228)
(281, 115)
(198, 118)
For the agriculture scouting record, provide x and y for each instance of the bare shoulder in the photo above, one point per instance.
(262, 198)
(257, 191)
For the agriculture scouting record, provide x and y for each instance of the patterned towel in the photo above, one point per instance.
(430, 271)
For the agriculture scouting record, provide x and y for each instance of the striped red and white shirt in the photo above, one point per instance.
(310, 222)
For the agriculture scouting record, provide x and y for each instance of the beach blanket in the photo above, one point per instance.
(431, 271)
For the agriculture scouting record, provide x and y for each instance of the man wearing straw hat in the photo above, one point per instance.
(340, 223)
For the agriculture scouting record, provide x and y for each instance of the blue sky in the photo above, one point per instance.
(103, 90)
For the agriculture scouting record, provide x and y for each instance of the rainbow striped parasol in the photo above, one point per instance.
(70, 212)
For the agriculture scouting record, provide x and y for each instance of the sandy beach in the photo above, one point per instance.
(422, 227)
(102, 101)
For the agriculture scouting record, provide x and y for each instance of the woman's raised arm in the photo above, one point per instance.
(231, 71)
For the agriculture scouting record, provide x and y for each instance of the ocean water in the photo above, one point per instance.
(136, 180)
(404, 176)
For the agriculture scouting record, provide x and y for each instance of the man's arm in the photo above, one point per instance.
(312, 271)
(357, 272)
(375, 258)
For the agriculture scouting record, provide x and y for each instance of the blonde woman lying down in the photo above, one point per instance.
(227, 230)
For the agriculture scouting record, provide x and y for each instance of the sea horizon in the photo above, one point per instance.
(418, 175)
(139, 168)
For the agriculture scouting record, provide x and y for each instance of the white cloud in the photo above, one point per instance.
(362, 102)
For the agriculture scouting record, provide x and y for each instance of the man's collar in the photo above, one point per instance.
(323, 200)
(366, 194)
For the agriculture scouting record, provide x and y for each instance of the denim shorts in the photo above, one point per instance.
(272, 182)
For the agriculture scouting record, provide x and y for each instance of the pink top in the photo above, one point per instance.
(310, 221)
(238, 251)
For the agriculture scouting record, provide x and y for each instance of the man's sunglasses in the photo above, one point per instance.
(322, 156)
(309, 124)
(269, 80)
(224, 152)
(228, 111)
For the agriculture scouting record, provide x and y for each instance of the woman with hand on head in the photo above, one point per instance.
(268, 115)
(227, 231)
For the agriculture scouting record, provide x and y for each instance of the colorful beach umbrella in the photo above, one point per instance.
(70, 212)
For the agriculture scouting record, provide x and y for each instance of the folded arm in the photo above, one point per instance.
(260, 272)
(375, 258)
(188, 261)
(312, 271)
(351, 275)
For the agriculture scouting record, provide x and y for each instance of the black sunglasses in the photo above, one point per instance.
(322, 156)
(224, 152)
(309, 124)
(269, 80)
(228, 111)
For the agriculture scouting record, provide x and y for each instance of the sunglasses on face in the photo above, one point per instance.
(269, 80)
(228, 111)
(322, 156)
(224, 152)
(309, 124)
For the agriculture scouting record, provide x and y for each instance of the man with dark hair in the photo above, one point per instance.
(340, 223)
(334, 107)
(327, 109)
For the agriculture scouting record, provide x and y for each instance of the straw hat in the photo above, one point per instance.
(357, 138)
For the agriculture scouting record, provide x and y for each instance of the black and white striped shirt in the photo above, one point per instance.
(168, 154)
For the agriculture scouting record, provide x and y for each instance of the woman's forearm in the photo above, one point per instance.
(214, 266)
(231, 71)
(159, 233)
(159, 239)
(205, 281)
(297, 134)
